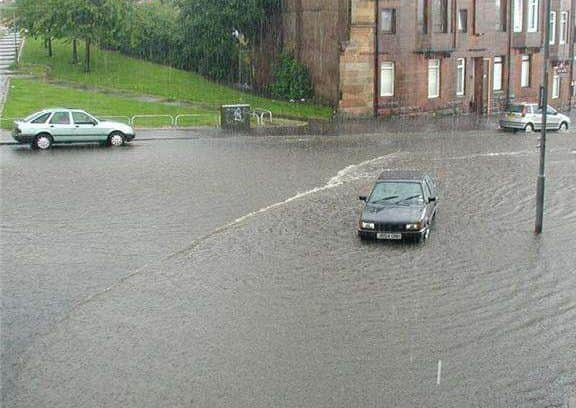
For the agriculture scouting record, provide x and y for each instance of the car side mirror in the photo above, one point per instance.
(363, 198)
(94, 123)
(432, 199)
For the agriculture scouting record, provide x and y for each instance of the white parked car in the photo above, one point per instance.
(42, 129)
(528, 116)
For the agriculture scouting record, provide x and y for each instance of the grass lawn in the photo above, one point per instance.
(31, 95)
(114, 71)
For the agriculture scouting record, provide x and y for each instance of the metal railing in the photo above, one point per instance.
(133, 119)
(259, 114)
(190, 115)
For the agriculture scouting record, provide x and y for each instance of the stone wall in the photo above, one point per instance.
(357, 62)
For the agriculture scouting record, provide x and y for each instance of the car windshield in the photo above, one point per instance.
(396, 193)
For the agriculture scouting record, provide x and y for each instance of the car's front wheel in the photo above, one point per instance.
(563, 126)
(42, 142)
(116, 139)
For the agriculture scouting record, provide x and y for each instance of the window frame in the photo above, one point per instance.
(390, 68)
(498, 62)
(533, 14)
(518, 16)
(434, 65)
(462, 26)
(564, 24)
(528, 60)
(392, 12)
(461, 77)
(552, 27)
(556, 83)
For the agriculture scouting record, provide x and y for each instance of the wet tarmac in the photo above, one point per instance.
(226, 272)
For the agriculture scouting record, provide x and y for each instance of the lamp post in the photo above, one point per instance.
(15, 36)
(541, 184)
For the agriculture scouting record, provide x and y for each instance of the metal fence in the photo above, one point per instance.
(172, 121)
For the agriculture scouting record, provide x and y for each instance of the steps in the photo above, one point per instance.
(9, 43)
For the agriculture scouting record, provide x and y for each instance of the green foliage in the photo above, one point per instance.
(113, 71)
(291, 80)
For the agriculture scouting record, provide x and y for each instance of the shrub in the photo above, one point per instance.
(291, 80)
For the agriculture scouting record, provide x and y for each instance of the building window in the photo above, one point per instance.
(440, 16)
(532, 16)
(387, 79)
(423, 16)
(388, 23)
(525, 74)
(433, 78)
(498, 64)
(518, 14)
(461, 77)
(463, 21)
(563, 27)
(556, 86)
(502, 14)
(552, 27)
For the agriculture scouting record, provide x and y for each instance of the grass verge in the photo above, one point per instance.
(26, 96)
(114, 71)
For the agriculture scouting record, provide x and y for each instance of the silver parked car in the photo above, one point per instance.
(528, 116)
(42, 129)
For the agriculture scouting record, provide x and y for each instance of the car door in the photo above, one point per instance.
(552, 120)
(86, 127)
(61, 128)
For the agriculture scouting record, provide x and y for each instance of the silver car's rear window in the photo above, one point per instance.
(516, 108)
(41, 119)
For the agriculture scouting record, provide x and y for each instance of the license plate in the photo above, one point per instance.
(389, 235)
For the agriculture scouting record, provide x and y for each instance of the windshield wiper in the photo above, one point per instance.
(408, 198)
(383, 199)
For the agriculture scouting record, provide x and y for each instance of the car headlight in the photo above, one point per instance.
(413, 227)
(367, 225)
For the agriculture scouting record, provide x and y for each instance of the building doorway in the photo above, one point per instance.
(481, 85)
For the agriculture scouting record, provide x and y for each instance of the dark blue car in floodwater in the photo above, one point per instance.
(402, 205)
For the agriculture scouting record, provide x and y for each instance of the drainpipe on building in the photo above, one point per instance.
(571, 43)
(509, 52)
(376, 58)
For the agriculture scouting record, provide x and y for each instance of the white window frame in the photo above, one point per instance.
(556, 81)
(498, 75)
(518, 15)
(563, 27)
(552, 27)
(526, 67)
(460, 77)
(387, 67)
(433, 66)
(533, 12)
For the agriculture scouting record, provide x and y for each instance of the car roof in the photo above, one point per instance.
(404, 175)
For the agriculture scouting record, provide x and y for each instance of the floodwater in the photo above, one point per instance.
(226, 272)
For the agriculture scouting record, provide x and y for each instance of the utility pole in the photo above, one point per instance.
(544, 102)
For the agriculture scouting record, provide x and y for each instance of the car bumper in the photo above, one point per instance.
(371, 234)
(508, 124)
(20, 138)
(131, 137)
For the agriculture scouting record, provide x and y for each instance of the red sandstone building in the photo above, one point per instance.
(384, 57)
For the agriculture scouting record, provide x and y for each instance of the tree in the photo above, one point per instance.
(207, 25)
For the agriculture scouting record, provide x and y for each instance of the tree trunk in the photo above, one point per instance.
(74, 52)
(87, 65)
(49, 44)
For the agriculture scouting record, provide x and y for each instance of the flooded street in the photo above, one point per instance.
(226, 272)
